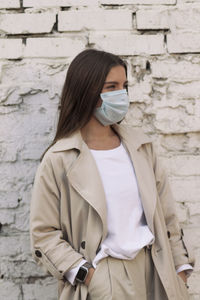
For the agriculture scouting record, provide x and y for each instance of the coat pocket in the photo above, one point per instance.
(93, 279)
(100, 284)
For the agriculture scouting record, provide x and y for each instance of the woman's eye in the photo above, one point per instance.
(110, 87)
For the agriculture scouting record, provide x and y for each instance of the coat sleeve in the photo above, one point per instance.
(180, 246)
(48, 247)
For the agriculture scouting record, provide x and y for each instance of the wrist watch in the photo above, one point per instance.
(82, 272)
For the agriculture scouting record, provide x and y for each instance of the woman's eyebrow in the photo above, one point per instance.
(114, 82)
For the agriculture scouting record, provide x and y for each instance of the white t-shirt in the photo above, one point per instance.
(127, 228)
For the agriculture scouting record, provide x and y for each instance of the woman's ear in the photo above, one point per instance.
(99, 102)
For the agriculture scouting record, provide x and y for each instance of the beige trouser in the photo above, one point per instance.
(117, 279)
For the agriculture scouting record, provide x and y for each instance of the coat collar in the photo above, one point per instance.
(126, 133)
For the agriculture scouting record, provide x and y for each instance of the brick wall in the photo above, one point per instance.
(160, 40)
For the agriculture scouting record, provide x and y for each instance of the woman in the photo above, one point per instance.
(102, 213)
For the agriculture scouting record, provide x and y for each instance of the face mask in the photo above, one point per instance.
(113, 108)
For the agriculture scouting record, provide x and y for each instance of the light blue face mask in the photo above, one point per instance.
(113, 108)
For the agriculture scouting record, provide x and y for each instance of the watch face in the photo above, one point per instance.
(81, 274)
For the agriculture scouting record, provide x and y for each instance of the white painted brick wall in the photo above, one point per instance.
(9, 3)
(94, 20)
(146, 2)
(61, 3)
(173, 69)
(130, 44)
(183, 43)
(152, 19)
(10, 48)
(27, 23)
(160, 41)
(54, 47)
(182, 18)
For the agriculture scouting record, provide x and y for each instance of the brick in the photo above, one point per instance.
(35, 152)
(190, 1)
(175, 120)
(189, 143)
(45, 289)
(194, 142)
(19, 268)
(8, 109)
(123, 43)
(152, 19)
(51, 70)
(9, 290)
(194, 211)
(10, 4)
(6, 217)
(184, 165)
(14, 245)
(197, 264)
(184, 90)
(16, 176)
(8, 154)
(172, 143)
(173, 68)
(183, 43)
(193, 233)
(146, 2)
(180, 106)
(180, 18)
(95, 20)
(9, 95)
(38, 131)
(11, 48)
(140, 91)
(134, 116)
(21, 219)
(186, 189)
(27, 23)
(54, 3)
(182, 212)
(185, 17)
(54, 47)
(8, 199)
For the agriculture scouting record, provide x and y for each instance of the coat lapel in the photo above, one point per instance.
(84, 177)
(132, 140)
(145, 183)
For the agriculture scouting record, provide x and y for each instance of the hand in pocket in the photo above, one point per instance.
(89, 276)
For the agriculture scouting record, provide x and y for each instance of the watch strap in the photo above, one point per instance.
(87, 265)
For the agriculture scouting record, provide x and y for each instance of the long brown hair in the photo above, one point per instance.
(84, 81)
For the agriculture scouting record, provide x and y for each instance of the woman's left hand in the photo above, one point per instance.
(89, 276)
(183, 276)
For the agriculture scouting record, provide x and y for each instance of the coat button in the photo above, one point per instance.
(38, 253)
(83, 244)
(168, 234)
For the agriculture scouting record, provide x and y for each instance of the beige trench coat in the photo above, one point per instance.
(68, 212)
